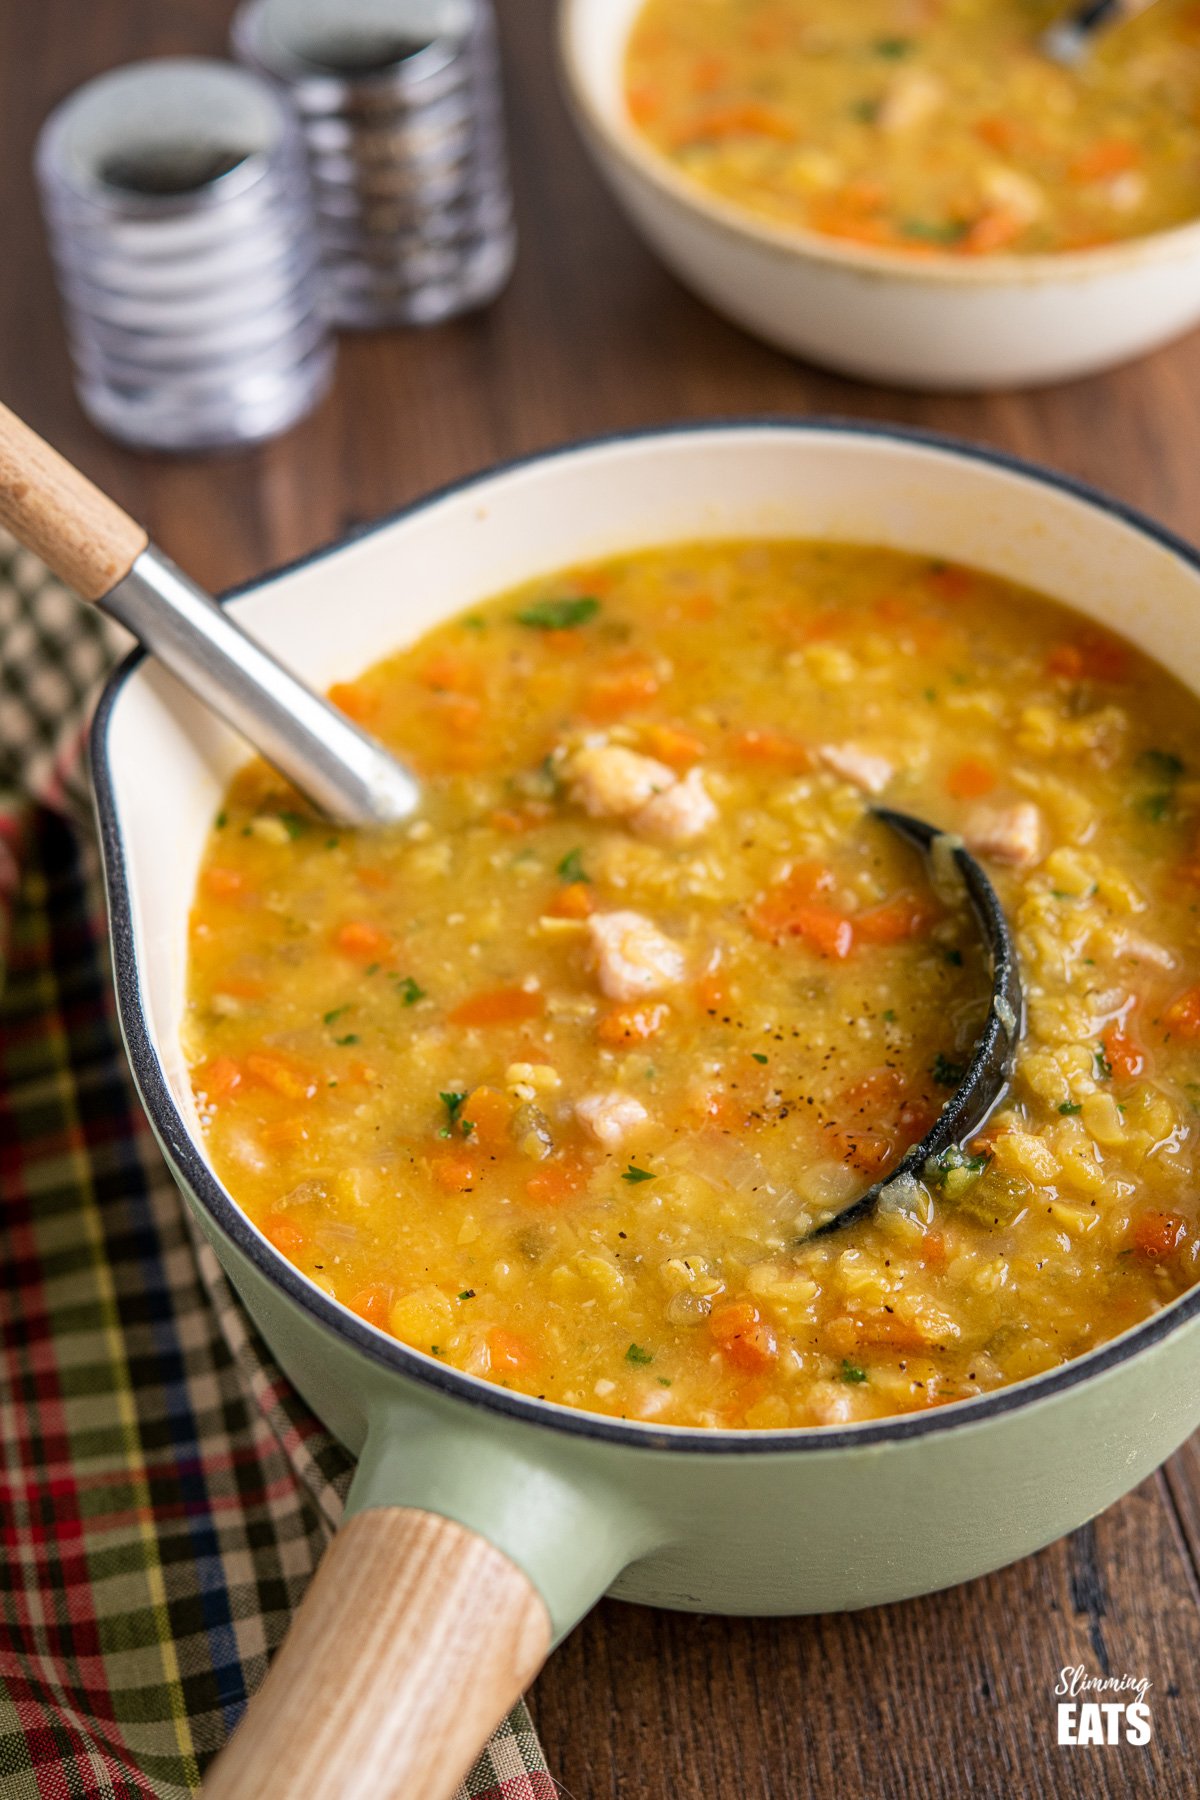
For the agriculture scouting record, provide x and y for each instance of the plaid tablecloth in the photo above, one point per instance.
(164, 1494)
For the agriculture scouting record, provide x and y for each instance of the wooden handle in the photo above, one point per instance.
(54, 510)
(414, 1640)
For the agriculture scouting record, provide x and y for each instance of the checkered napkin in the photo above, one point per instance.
(164, 1494)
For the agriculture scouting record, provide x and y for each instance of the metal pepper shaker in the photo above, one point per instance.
(177, 203)
(400, 105)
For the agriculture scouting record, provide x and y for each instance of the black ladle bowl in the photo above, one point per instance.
(990, 1068)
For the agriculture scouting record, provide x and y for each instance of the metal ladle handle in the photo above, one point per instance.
(97, 549)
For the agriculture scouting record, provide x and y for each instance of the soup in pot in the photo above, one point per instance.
(555, 1082)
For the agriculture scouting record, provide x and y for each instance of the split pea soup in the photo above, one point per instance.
(554, 1082)
(932, 126)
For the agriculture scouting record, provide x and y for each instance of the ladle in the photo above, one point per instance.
(1070, 39)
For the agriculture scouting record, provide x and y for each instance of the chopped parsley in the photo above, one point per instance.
(1162, 764)
(408, 990)
(1155, 807)
(892, 48)
(935, 231)
(1069, 1107)
(946, 1073)
(473, 622)
(1101, 1067)
(758, 1056)
(452, 1104)
(889, 1015)
(351, 1037)
(635, 1354)
(571, 867)
(294, 823)
(954, 958)
(632, 1173)
(335, 1014)
(851, 1371)
(467, 1294)
(954, 1171)
(222, 820)
(559, 615)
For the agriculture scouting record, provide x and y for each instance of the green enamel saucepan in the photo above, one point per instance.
(483, 1524)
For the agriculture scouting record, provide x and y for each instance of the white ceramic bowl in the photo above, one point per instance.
(919, 321)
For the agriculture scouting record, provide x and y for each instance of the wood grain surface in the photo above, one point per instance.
(940, 1698)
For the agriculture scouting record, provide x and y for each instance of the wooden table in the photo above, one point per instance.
(942, 1697)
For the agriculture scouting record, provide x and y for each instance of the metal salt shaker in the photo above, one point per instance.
(179, 212)
(400, 105)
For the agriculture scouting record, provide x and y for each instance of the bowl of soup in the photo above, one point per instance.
(909, 194)
(515, 1126)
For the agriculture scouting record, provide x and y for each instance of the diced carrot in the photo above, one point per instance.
(742, 1335)
(1182, 1017)
(889, 1329)
(242, 987)
(998, 133)
(489, 1114)
(791, 909)
(450, 673)
(355, 701)
(673, 745)
(287, 1237)
(362, 940)
(526, 817)
(896, 920)
(880, 1087)
(708, 72)
(775, 748)
(933, 1250)
(712, 991)
(455, 1172)
(284, 1075)
(572, 902)
(620, 690)
(1158, 1235)
(994, 229)
(371, 1303)
(644, 103)
(747, 118)
(700, 607)
(509, 1354)
(555, 1181)
(631, 1024)
(498, 1006)
(1091, 658)
(284, 1134)
(459, 714)
(224, 884)
(970, 778)
(217, 1079)
(913, 1121)
(1105, 158)
(863, 1149)
(1125, 1058)
(370, 877)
